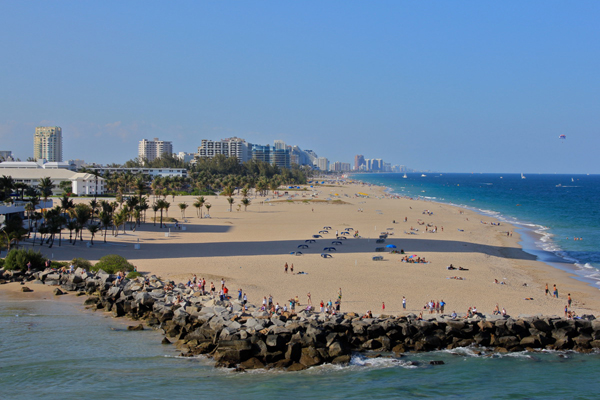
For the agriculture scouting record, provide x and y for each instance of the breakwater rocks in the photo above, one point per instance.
(250, 338)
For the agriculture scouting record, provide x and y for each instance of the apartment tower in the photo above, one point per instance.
(47, 143)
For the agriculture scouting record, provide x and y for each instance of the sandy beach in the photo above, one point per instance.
(248, 249)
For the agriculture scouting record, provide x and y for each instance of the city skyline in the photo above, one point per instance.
(475, 88)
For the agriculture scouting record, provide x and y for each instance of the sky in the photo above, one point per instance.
(434, 85)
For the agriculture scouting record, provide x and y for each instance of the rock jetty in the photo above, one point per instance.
(248, 338)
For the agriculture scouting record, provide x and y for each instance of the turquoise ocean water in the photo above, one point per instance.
(56, 350)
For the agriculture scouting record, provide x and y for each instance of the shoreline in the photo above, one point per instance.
(242, 336)
(249, 249)
(531, 238)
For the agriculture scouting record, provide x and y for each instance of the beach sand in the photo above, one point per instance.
(248, 249)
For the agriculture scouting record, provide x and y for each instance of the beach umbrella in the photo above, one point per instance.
(391, 246)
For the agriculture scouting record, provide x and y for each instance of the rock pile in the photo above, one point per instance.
(250, 338)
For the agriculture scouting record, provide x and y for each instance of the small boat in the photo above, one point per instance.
(423, 175)
(559, 185)
(405, 176)
(572, 180)
(522, 176)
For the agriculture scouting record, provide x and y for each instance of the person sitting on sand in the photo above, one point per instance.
(453, 315)
(503, 312)
(462, 269)
(450, 267)
(420, 317)
(496, 310)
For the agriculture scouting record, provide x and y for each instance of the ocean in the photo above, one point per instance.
(57, 350)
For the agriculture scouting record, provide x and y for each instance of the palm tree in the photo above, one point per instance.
(208, 206)
(106, 220)
(182, 207)
(162, 204)
(29, 209)
(93, 228)
(155, 208)
(199, 203)
(72, 226)
(94, 207)
(230, 200)
(45, 186)
(245, 202)
(81, 213)
(66, 204)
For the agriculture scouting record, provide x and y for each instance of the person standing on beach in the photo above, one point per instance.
(547, 289)
(285, 267)
(555, 291)
(245, 299)
(240, 294)
(382, 306)
(292, 269)
(403, 303)
(568, 300)
(309, 302)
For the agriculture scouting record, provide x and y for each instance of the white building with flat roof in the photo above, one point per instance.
(151, 150)
(82, 183)
(231, 147)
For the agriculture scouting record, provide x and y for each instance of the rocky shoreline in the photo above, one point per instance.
(251, 339)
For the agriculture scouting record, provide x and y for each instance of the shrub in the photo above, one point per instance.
(58, 264)
(112, 264)
(82, 263)
(133, 275)
(18, 259)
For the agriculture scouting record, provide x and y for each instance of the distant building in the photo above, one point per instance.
(47, 143)
(6, 155)
(82, 183)
(279, 145)
(40, 164)
(340, 167)
(231, 147)
(77, 163)
(151, 150)
(359, 160)
(152, 172)
(185, 157)
(322, 163)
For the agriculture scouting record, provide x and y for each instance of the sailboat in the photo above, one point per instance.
(522, 176)
(405, 176)
(572, 180)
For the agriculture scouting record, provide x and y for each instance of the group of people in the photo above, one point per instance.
(413, 260)
(497, 311)
(435, 307)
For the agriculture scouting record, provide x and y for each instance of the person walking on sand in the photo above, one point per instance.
(569, 300)
(382, 306)
(292, 269)
(403, 303)
(547, 289)
(555, 291)
(285, 268)
(309, 301)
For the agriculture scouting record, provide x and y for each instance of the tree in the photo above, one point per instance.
(245, 202)
(230, 200)
(81, 213)
(93, 228)
(155, 208)
(71, 226)
(199, 203)
(182, 207)
(66, 187)
(106, 221)
(45, 186)
(162, 204)
(208, 206)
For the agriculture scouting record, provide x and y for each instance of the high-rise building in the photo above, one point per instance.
(322, 163)
(279, 145)
(359, 160)
(47, 143)
(231, 147)
(151, 150)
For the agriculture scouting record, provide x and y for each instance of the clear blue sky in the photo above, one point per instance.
(441, 85)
